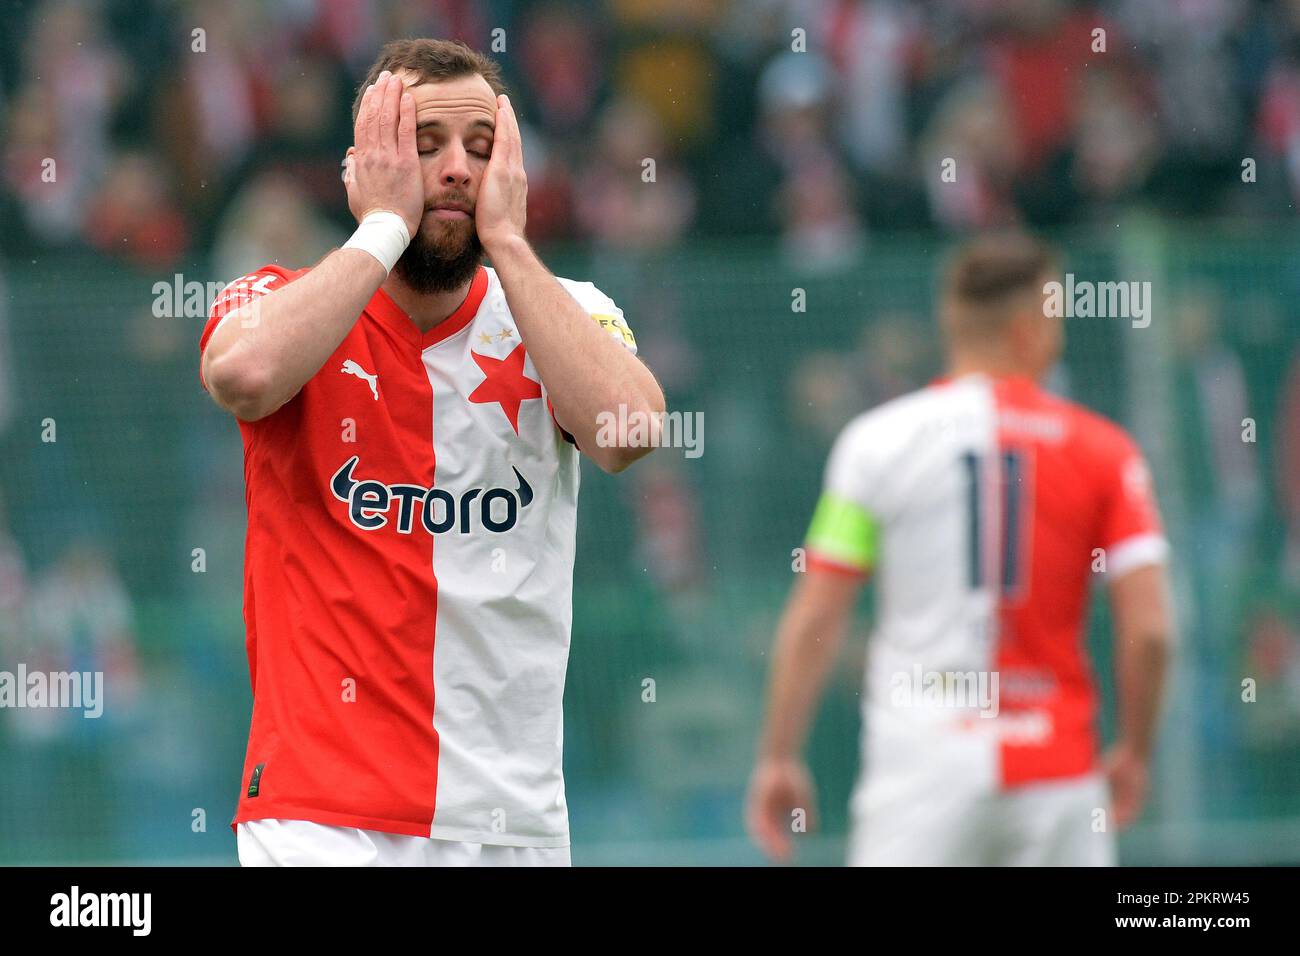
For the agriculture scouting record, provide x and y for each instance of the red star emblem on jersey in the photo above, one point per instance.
(505, 383)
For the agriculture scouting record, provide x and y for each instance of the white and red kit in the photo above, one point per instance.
(985, 508)
(408, 578)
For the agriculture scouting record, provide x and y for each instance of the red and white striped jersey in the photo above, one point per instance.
(408, 578)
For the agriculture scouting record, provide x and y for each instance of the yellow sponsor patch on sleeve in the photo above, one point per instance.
(615, 326)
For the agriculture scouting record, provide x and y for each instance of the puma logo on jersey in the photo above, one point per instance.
(370, 501)
(352, 368)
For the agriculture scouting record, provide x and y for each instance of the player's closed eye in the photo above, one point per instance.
(481, 154)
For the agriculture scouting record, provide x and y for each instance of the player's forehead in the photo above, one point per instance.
(458, 102)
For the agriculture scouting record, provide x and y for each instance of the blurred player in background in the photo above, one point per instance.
(985, 507)
(411, 424)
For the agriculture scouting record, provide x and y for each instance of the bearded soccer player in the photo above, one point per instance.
(411, 423)
(985, 507)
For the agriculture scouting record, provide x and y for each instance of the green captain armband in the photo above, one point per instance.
(843, 532)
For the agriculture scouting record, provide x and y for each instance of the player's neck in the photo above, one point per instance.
(992, 365)
(425, 309)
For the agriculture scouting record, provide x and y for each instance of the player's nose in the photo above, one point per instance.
(455, 168)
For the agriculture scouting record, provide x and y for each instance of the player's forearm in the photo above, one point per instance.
(1140, 607)
(264, 352)
(1141, 662)
(584, 370)
(808, 641)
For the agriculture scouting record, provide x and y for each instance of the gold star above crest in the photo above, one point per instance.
(485, 338)
(505, 334)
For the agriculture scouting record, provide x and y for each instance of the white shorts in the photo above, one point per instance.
(302, 843)
(1055, 823)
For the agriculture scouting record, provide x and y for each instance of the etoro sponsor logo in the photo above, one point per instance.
(370, 502)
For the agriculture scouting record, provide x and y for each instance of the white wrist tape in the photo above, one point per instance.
(382, 234)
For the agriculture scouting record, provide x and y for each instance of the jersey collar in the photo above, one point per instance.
(383, 308)
(1016, 381)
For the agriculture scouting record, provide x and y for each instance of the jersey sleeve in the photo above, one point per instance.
(1131, 533)
(604, 313)
(235, 295)
(843, 536)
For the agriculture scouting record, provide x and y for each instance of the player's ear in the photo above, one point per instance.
(345, 168)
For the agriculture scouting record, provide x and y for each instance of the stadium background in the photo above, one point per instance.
(775, 171)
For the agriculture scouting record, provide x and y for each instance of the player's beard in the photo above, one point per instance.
(443, 262)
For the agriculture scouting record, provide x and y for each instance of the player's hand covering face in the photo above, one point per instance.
(503, 196)
(383, 170)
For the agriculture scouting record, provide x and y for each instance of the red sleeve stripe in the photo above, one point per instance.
(824, 565)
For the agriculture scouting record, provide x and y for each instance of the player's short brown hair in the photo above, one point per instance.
(986, 278)
(431, 60)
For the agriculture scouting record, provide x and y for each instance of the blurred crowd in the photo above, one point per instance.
(218, 127)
